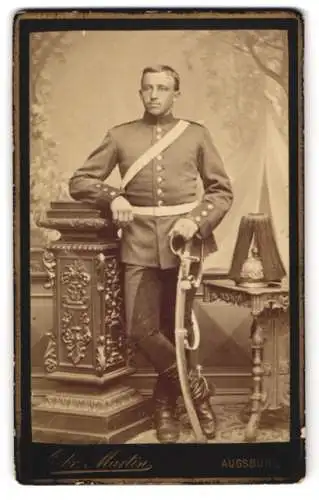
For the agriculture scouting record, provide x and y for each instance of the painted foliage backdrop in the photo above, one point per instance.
(235, 82)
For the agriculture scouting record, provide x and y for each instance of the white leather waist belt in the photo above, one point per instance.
(168, 210)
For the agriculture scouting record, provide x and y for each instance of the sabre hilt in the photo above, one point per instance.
(183, 249)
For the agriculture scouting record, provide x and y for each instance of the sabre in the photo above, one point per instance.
(186, 281)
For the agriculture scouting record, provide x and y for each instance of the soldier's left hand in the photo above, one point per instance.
(185, 228)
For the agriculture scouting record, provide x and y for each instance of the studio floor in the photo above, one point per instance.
(232, 419)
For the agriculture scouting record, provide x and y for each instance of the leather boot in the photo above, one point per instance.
(166, 425)
(201, 396)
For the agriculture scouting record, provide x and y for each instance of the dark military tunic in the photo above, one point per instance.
(169, 179)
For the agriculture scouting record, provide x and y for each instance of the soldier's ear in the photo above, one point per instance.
(177, 93)
(140, 93)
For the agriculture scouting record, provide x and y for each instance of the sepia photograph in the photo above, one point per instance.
(159, 231)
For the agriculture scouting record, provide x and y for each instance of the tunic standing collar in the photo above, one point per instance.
(156, 120)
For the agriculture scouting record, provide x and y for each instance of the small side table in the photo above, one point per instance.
(266, 305)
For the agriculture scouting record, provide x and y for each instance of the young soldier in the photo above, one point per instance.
(158, 196)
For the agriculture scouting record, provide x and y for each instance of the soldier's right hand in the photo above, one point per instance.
(122, 210)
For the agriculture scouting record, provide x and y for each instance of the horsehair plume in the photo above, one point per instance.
(243, 242)
(257, 227)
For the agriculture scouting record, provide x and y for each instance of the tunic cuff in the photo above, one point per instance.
(201, 215)
(105, 193)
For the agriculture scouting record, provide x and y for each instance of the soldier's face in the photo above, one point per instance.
(157, 93)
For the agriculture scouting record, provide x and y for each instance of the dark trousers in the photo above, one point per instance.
(149, 295)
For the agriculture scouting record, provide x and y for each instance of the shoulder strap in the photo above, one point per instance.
(153, 151)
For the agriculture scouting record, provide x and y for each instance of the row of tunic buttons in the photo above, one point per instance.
(159, 181)
(159, 168)
(158, 133)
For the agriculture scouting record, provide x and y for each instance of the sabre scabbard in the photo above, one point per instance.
(189, 276)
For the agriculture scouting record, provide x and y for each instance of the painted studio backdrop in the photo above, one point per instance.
(234, 82)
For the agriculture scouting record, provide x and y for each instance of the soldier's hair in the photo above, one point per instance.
(160, 68)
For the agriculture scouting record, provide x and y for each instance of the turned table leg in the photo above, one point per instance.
(257, 344)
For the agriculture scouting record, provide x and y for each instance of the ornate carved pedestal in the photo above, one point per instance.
(87, 358)
(270, 365)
